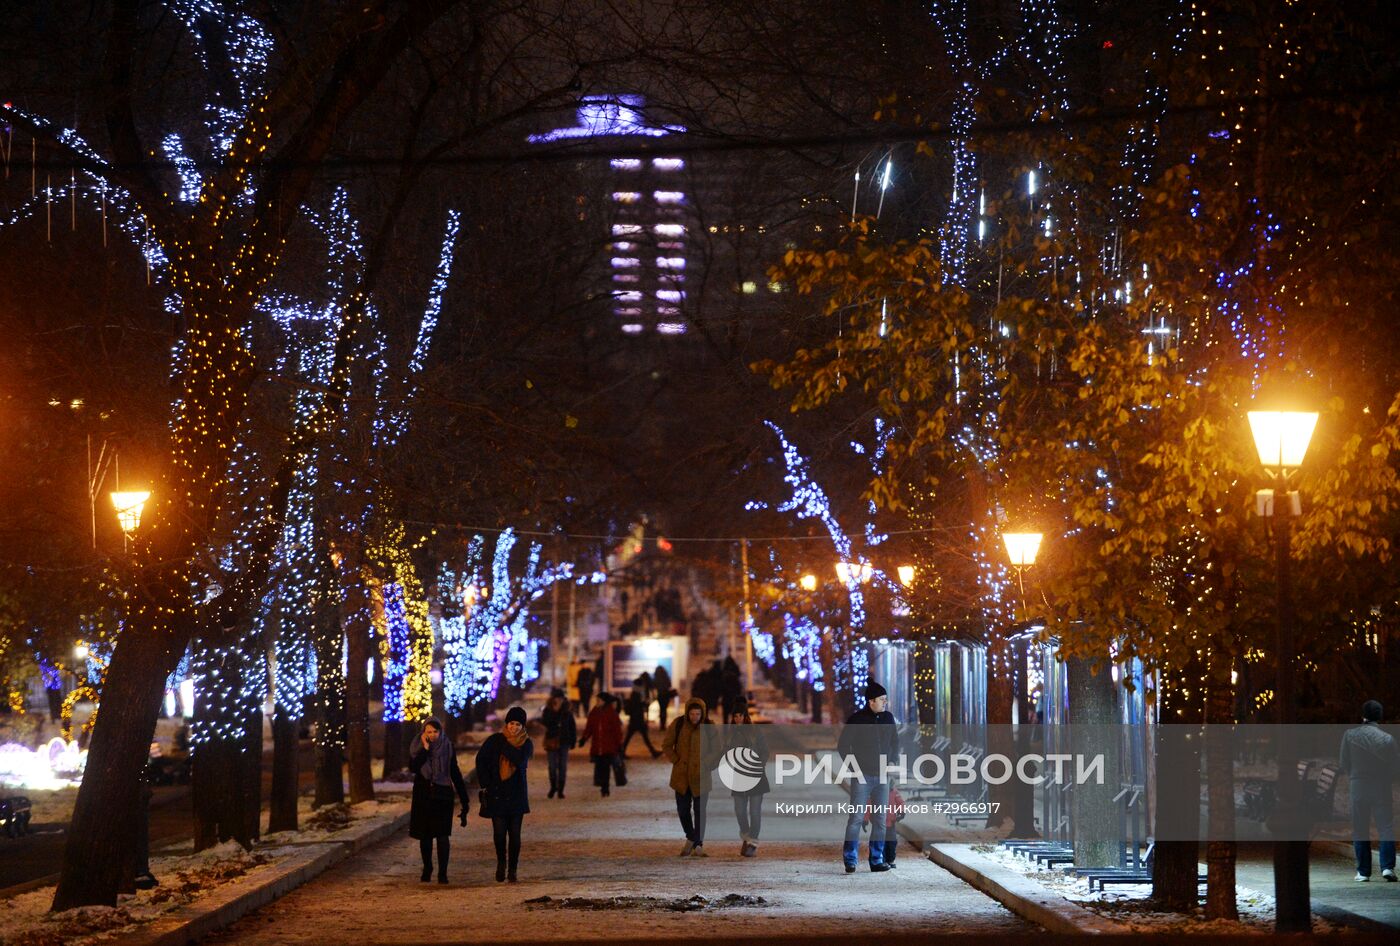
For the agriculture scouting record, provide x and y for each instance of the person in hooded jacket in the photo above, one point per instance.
(871, 739)
(604, 728)
(693, 748)
(436, 778)
(748, 805)
(560, 735)
(500, 771)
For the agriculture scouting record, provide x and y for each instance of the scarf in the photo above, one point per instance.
(438, 769)
(507, 768)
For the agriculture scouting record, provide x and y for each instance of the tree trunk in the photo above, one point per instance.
(1098, 840)
(330, 691)
(1000, 693)
(1178, 810)
(357, 618)
(1220, 780)
(282, 803)
(224, 726)
(101, 836)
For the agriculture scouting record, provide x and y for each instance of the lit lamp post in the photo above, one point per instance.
(1022, 549)
(808, 582)
(1282, 438)
(129, 506)
(906, 575)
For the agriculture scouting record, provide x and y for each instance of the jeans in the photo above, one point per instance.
(1371, 798)
(691, 809)
(444, 847)
(558, 768)
(503, 828)
(866, 792)
(748, 809)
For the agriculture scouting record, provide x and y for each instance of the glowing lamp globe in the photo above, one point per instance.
(1021, 547)
(1282, 437)
(851, 572)
(129, 506)
(808, 582)
(906, 575)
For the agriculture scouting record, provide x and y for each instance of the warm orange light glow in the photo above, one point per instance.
(848, 572)
(129, 506)
(906, 575)
(1282, 437)
(1022, 547)
(808, 582)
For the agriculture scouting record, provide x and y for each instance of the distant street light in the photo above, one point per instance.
(849, 572)
(1022, 547)
(808, 582)
(1282, 438)
(129, 506)
(906, 575)
(81, 651)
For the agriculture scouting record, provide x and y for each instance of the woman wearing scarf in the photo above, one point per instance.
(693, 749)
(500, 771)
(436, 778)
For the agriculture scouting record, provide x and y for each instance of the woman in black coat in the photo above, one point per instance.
(500, 771)
(560, 735)
(436, 778)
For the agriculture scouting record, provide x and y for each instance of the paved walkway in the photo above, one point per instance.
(620, 847)
(1334, 893)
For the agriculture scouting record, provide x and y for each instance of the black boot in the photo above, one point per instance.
(427, 873)
(500, 872)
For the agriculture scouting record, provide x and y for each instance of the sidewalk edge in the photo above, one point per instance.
(1023, 897)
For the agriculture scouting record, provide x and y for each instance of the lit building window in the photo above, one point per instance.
(671, 262)
(670, 295)
(669, 229)
(626, 197)
(671, 328)
(626, 277)
(626, 164)
(629, 296)
(630, 312)
(775, 287)
(668, 164)
(632, 328)
(667, 197)
(627, 229)
(625, 262)
(749, 287)
(624, 246)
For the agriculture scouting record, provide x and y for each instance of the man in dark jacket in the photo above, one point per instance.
(872, 742)
(636, 707)
(1371, 760)
(661, 679)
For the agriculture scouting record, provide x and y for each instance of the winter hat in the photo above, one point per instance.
(873, 691)
(516, 715)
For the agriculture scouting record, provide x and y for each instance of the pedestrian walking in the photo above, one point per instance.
(604, 729)
(436, 779)
(584, 682)
(661, 679)
(1371, 760)
(500, 771)
(560, 735)
(637, 719)
(748, 805)
(871, 739)
(693, 749)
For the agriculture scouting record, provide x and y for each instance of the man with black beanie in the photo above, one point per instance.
(1371, 761)
(872, 742)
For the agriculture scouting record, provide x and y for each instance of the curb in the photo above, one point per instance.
(1025, 898)
(223, 908)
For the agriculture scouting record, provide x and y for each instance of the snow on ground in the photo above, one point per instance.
(610, 867)
(184, 878)
(1131, 905)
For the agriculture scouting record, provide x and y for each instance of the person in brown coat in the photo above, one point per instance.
(693, 748)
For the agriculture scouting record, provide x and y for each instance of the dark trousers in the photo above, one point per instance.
(602, 771)
(1370, 798)
(691, 809)
(444, 847)
(558, 768)
(584, 698)
(748, 809)
(663, 702)
(635, 729)
(506, 828)
(891, 844)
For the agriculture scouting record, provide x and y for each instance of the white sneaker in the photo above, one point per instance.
(1388, 875)
(1362, 878)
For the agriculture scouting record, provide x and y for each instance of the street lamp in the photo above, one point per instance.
(1022, 548)
(1281, 438)
(808, 582)
(906, 575)
(129, 506)
(81, 651)
(853, 572)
